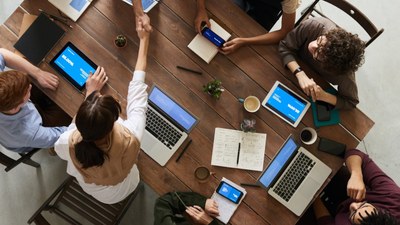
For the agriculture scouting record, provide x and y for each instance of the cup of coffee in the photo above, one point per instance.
(308, 135)
(202, 173)
(251, 104)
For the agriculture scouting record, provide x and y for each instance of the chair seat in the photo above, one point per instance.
(71, 197)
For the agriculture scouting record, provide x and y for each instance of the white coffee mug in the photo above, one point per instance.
(251, 104)
(308, 135)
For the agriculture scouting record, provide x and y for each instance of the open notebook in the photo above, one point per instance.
(203, 47)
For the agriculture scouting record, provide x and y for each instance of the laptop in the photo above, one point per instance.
(72, 8)
(168, 124)
(293, 176)
(147, 4)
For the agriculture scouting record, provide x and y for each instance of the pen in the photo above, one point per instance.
(53, 17)
(190, 70)
(183, 151)
(250, 185)
(237, 160)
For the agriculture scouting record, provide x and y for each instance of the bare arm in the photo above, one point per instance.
(14, 61)
(355, 186)
(141, 62)
(274, 37)
(141, 17)
(201, 15)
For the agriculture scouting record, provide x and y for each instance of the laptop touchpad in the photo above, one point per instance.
(309, 187)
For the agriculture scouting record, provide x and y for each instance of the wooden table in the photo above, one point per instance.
(249, 71)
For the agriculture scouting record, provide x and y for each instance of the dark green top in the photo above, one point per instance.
(168, 210)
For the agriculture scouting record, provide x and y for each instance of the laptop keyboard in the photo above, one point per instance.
(294, 176)
(160, 129)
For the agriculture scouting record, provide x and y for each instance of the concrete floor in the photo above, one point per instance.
(24, 189)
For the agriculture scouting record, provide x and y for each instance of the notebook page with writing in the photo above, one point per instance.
(226, 149)
(203, 47)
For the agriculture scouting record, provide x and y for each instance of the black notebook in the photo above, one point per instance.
(39, 39)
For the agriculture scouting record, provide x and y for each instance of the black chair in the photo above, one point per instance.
(69, 200)
(350, 10)
(25, 158)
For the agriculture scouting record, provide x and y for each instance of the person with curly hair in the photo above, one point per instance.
(370, 196)
(332, 52)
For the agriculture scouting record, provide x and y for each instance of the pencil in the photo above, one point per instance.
(183, 151)
(250, 185)
(190, 70)
(53, 17)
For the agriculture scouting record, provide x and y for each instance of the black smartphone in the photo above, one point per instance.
(323, 110)
(213, 37)
(331, 146)
(229, 192)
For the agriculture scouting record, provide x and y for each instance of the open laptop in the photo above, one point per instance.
(72, 8)
(294, 176)
(167, 126)
(147, 4)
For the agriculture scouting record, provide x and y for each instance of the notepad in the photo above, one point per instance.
(335, 116)
(226, 149)
(72, 8)
(203, 47)
(227, 208)
(38, 39)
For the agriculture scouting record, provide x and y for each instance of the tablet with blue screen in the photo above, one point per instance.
(73, 65)
(286, 104)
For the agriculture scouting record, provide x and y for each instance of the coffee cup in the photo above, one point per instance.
(251, 104)
(308, 135)
(202, 173)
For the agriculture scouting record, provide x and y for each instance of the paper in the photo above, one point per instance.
(226, 149)
(227, 208)
(203, 47)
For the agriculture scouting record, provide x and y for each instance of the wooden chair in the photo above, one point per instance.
(350, 10)
(25, 158)
(70, 197)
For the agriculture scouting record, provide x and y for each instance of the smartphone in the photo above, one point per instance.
(229, 192)
(331, 146)
(213, 37)
(323, 111)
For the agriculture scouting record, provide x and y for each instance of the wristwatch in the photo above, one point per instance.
(297, 70)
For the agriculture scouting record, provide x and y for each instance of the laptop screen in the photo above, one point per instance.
(172, 109)
(278, 162)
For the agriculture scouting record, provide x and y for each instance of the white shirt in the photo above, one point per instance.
(136, 122)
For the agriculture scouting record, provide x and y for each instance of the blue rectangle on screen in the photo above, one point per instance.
(78, 4)
(172, 109)
(278, 163)
(74, 65)
(230, 192)
(286, 104)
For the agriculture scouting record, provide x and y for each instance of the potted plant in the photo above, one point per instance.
(120, 41)
(248, 125)
(213, 88)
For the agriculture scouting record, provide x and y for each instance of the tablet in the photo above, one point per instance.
(73, 65)
(286, 104)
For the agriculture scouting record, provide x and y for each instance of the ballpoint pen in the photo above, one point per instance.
(248, 184)
(53, 17)
(183, 151)
(190, 70)
(238, 154)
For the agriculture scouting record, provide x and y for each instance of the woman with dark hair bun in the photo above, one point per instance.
(101, 148)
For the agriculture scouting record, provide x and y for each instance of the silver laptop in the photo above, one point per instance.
(167, 126)
(294, 176)
(72, 8)
(147, 4)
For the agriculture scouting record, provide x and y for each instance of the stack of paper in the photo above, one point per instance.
(203, 47)
(237, 149)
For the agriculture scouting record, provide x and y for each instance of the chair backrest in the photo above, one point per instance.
(350, 10)
(25, 158)
(70, 197)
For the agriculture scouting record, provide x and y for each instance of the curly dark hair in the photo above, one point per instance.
(343, 51)
(379, 217)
